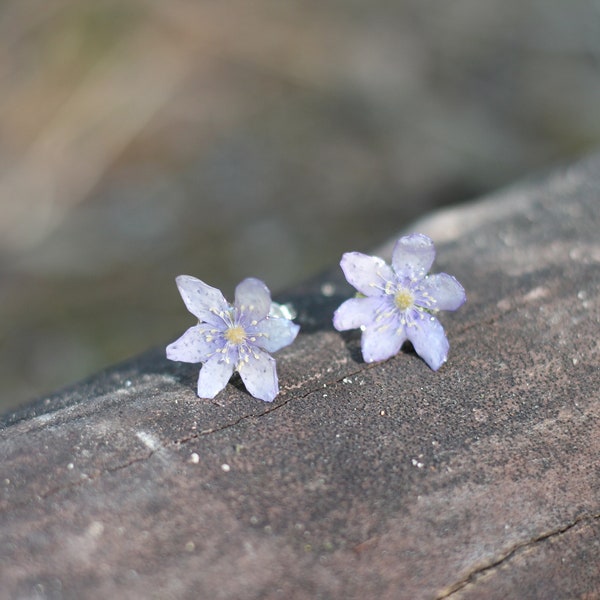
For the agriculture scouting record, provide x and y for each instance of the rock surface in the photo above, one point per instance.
(388, 480)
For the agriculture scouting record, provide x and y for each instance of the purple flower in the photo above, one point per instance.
(234, 337)
(399, 303)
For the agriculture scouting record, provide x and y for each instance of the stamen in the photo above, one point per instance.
(236, 334)
(388, 288)
(404, 299)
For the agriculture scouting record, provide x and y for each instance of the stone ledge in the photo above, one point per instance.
(360, 481)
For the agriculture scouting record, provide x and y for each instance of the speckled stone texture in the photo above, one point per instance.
(386, 481)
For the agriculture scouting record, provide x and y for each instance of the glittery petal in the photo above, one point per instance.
(368, 274)
(253, 299)
(193, 346)
(355, 313)
(214, 375)
(413, 256)
(201, 299)
(379, 344)
(260, 375)
(276, 333)
(446, 292)
(429, 340)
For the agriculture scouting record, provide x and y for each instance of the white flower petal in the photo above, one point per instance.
(413, 256)
(214, 375)
(379, 343)
(197, 344)
(253, 299)
(201, 299)
(355, 313)
(259, 375)
(429, 340)
(368, 274)
(446, 292)
(275, 333)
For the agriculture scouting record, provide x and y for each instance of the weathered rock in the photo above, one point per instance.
(389, 480)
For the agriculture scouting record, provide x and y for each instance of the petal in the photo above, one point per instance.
(275, 333)
(201, 299)
(197, 344)
(445, 291)
(429, 340)
(260, 375)
(413, 256)
(368, 274)
(355, 313)
(379, 343)
(214, 375)
(253, 299)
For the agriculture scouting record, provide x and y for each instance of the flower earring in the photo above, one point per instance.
(234, 337)
(394, 304)
(399, 302)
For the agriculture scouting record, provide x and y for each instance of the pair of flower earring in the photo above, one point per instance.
(394, 304)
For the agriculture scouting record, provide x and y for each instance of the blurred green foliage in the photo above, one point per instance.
(142, 140)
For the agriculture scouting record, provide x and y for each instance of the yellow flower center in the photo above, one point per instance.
(403, 299)
(236, 334)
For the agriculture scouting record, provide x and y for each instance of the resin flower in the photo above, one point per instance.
(234, 337)
(399, 303)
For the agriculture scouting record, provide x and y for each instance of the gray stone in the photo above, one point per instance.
(361, 480)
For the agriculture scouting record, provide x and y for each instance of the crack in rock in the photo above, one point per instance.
(91, 478)
(472, 577)
(154, 444)
(268, 410)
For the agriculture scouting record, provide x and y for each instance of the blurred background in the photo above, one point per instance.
(143, 139)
